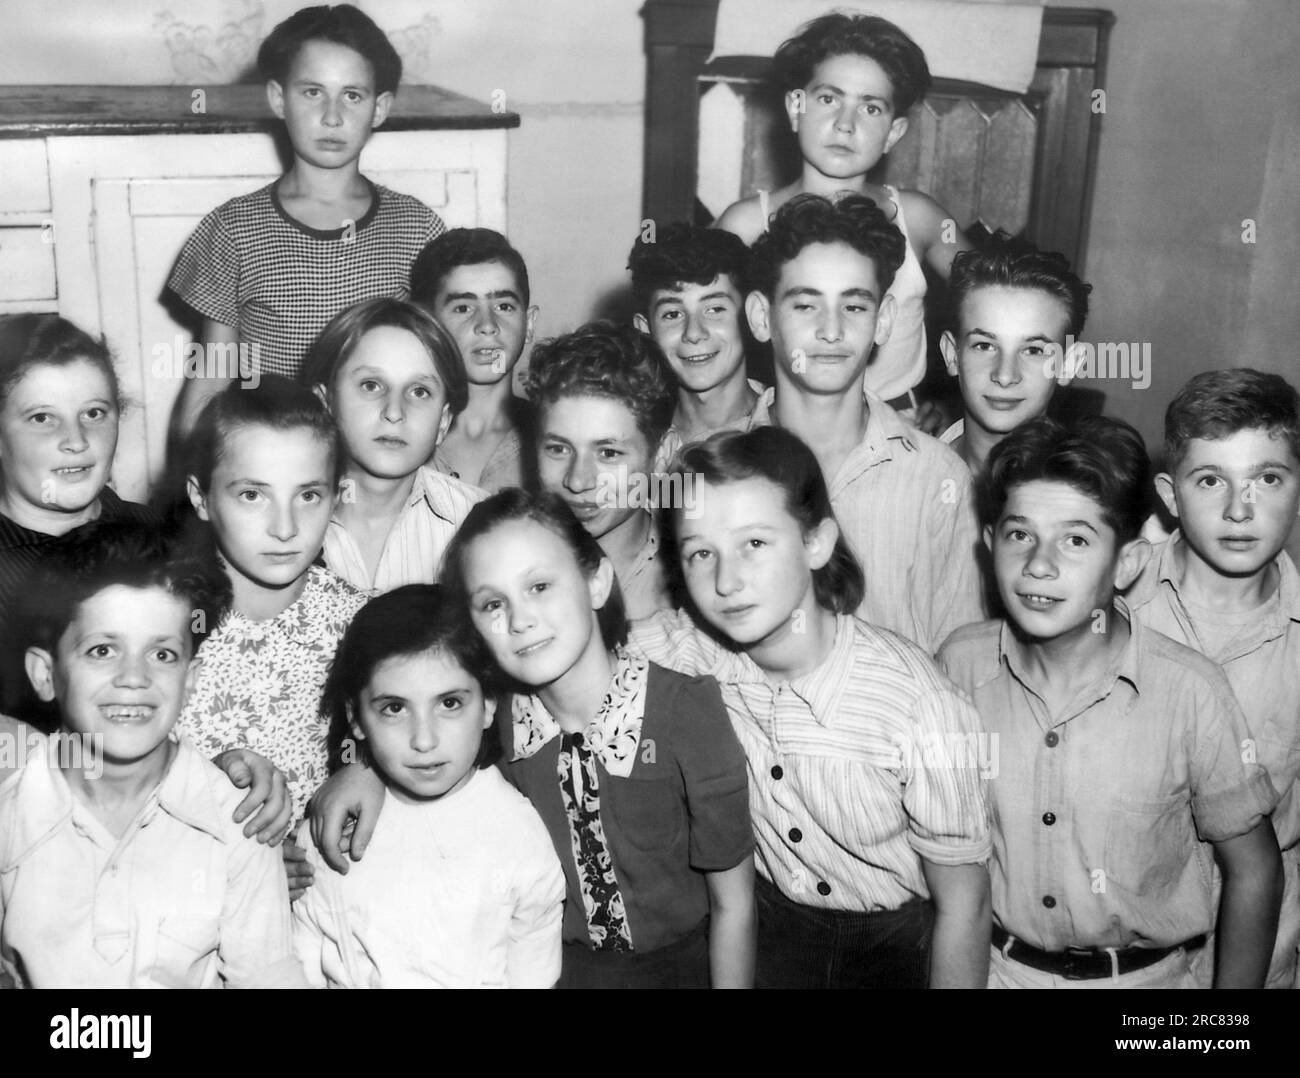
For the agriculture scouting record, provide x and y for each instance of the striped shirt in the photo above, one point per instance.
(251, 265)
(1260, 655)
(673, 441)
(1097, 808)
(412, 553)
(644, 584)
(906, 505)
(857, 770)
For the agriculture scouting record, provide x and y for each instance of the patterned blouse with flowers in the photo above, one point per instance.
(259, 683)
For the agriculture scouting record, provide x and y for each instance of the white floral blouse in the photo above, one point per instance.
(259, 683)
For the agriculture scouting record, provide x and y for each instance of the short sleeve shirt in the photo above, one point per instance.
(250, 265)
(1098, 811)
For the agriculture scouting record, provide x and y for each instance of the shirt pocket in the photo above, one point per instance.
(1148, 844)
(650, 808)
(184, 950)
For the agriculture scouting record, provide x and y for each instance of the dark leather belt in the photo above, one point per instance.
(1085, 963)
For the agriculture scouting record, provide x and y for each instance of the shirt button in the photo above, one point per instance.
(823, 888)
(1052, 740)
(795, 834)
(776, 771)
(1049, 902)
(1049, 818)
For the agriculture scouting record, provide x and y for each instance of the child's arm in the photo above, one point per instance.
(353, 791)
(533, 951)
(309, 939)
(936, 238)
(196, 392)
(1248, 908)
(256, 946)
(963, 923)
(297, 868)
(267, 791)
(733, 926)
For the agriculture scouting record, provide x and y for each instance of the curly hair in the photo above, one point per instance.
(464, 247)
(1102, 458)
(681, 254)
(839, 34)
(1218, 404)
(854, 220)
(1014, 263)
(341, 24)
(601, 359)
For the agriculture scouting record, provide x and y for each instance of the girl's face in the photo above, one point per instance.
(844, 118)
(390, 403)
(590, 452)
(423, 717)
(58, 433)
(269, 501)
(531, 601)
(747, 562)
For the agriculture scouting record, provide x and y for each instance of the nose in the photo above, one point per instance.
(694, 331)
(1040, 564)
(582, 474)
(284, 522)
(75, 440)
(1241, 505)
(521, 617)
(132, 672)
(394, 407)
(1006, 371)
(333, 115)
(424, 733)
(727, 580)
(846, 117)
(486, 322)
(831, 327)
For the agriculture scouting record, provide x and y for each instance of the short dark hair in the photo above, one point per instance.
(782, 458)
(854, 220)
(276, 403)
(1012, 263)
(682, 253)
(1218, 404)
(1102, 458)
(464, 247)
(106, 554)
(337, 340)
(406, 621)
(341, 24)
(602, 359)
(551, 512)
(839, 34)
(30, 340)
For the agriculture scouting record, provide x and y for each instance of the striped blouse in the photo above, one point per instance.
(857, 770)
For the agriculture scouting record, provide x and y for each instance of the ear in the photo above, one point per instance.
(601, 583)
(489, 710)
(192, 675)
(896, 131)
(530, 321)
(758, 311)
(1165, 489)
(383, 103)
(819, 544)
(948, 349)
(354, 724)
(444, 424)
(275, 98)
(885, 315)
(988, 537)
(196, 496)
(1069, 363)
(40, 672)
(1132, 560)
(323, 395)
(796, 104)
(639, 320)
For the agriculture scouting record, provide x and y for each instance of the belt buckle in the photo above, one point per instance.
(1074, 957)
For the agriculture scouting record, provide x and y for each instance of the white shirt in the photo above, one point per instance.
(461, 892)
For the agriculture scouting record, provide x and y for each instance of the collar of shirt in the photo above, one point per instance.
(613, 735)
(1166, 572)
(648, 552)
(14, 536)
(46, 803)
(1123, 667)
(297, 622)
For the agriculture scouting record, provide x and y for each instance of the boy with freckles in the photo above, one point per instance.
(1224, 585)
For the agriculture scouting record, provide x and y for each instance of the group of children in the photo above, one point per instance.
(424, 685)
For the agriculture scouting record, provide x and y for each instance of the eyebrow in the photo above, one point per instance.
(370, 368)
(505, 293)
(804, 290)
(990, 333)
(844, 93)
(1016, 519)
(665, 300)
(262, 484)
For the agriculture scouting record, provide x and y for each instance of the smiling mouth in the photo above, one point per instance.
(737, 611)
(73, 469)
(427, 769)
(698, 359)
(1004, 404)
(532, 649)
(1038, 602)
(127, 714)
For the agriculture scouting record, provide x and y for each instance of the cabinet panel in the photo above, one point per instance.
(27, 263)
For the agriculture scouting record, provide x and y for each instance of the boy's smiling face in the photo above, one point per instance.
(120, 669)
(1057, 561)
(482, 307)
(1235, 499)
(328, 103)
(844, 118)
(1002, 351)
(827, 313)
(698, 328)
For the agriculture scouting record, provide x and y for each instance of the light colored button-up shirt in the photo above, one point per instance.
(1262, 663)
(181, 900)
(437, 505)
(857, 770)
(906, 506)
(1097, 809)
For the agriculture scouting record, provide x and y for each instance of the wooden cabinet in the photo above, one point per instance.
(100, 187)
